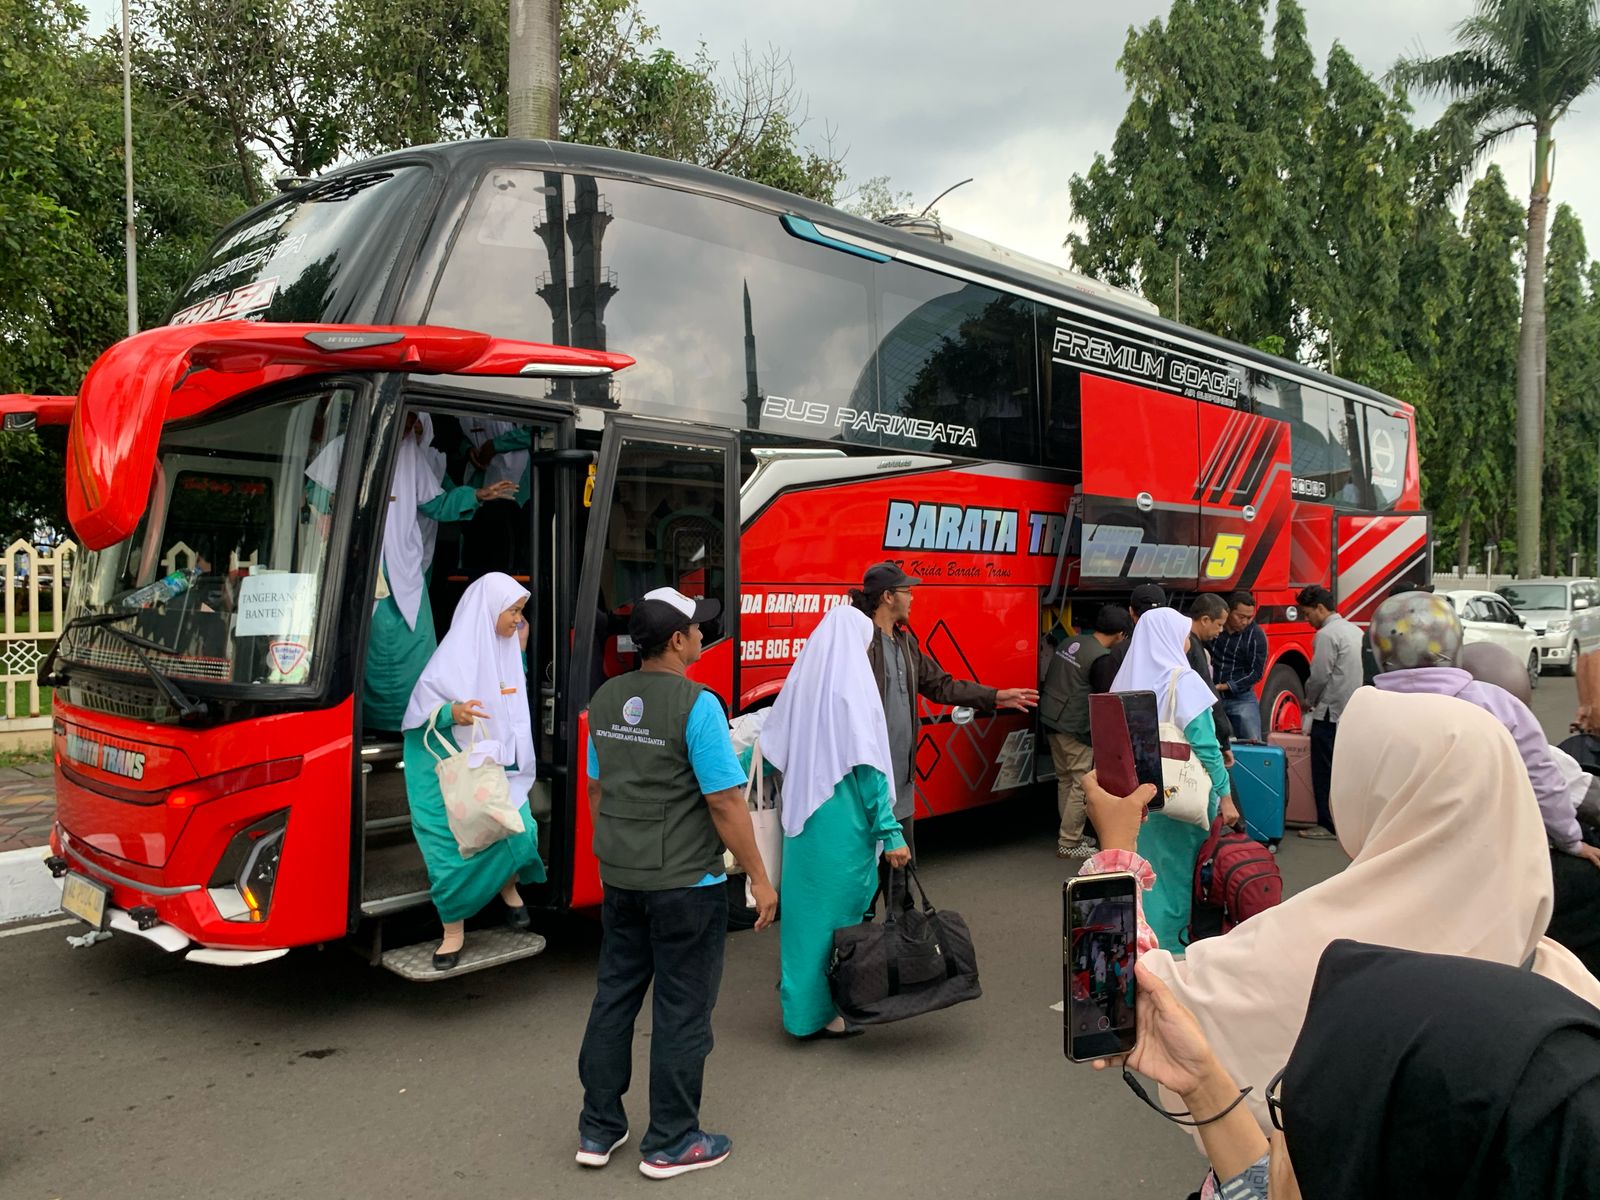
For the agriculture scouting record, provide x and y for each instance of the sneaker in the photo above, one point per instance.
(1080, 852)
(695, 1153)
(597, 1154)
(1317, 834)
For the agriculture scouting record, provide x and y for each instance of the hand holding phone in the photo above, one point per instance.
(1127, 742)
(1099, 949)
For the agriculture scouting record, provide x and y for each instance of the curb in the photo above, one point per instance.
(26, 886)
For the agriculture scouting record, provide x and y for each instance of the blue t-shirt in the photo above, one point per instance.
(710, 754)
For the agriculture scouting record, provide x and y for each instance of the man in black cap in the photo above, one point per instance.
(1145, 597)
(904, 672)
(665, 793)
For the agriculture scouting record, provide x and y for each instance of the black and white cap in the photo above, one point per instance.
(664, 612)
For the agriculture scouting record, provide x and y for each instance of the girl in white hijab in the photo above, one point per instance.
(1448, 855)
(828, 735)
(478, 673)
(1158, 662)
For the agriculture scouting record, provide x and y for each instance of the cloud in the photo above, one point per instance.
(1021, 95)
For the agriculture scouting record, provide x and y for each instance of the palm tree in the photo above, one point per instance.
(1521, 65)
(533, 99)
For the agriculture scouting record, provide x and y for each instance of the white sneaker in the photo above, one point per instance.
(597, 1154)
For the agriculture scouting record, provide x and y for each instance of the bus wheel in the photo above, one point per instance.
(1283, 700)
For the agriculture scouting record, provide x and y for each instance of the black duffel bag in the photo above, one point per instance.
(909, 963)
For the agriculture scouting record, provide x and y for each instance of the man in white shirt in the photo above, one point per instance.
(1335, 676)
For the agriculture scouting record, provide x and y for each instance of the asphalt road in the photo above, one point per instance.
(126, 1074)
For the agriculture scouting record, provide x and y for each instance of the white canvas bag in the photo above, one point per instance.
(477, 799)
(1187, 783)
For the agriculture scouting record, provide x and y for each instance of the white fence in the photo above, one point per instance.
(35, 583)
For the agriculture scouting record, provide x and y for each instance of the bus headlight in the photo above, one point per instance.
(243, 883)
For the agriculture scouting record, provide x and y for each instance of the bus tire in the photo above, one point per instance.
(1282, 681)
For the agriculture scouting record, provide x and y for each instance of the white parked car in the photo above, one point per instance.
(1564, 613)
(1486, 617)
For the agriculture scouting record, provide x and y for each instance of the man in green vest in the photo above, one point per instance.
(665, 793)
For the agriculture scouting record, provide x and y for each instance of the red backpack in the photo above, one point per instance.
(1235, 877)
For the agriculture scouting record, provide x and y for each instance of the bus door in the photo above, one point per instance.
(663, 513)
(457, 456)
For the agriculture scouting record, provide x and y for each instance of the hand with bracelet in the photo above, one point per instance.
(1173, 1051)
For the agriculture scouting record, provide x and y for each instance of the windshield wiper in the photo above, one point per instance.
(186, 706)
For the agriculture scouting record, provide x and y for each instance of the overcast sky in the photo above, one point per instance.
(1020, 94)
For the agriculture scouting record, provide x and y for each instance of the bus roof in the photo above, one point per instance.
(1002, 267)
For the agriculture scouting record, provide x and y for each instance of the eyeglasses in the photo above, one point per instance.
(1274, 1102)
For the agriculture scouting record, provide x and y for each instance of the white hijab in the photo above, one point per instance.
(413, 485)
(434, 460)
(324, 468)
(1155, 652)
(474, 662)
(407, 547)
(828, 719)
(1448, 855)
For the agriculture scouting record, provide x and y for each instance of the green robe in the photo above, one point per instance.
(1171, 847)
(397, 653)
(461, 886)
(830, 872)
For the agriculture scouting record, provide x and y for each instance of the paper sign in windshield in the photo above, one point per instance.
(276, 605)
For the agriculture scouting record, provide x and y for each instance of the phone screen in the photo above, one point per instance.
(1144, 734)
(1099, 949)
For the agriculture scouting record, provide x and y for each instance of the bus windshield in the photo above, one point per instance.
(320, 254)
(223, 574)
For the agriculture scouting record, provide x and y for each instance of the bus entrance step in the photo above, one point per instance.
(484, 948)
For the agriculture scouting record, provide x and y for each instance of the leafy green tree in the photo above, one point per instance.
(1572, 400)
(319, 82)
(1194, 177)
(1363, 218)
(1521, 65)
(1473, 422)
(62, 282)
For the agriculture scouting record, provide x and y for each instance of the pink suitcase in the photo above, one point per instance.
(1300, 807)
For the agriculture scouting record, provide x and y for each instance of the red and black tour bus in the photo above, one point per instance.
(810, 393)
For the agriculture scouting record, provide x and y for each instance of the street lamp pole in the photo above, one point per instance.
(129, 231)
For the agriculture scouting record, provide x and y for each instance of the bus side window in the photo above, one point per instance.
(961, 356)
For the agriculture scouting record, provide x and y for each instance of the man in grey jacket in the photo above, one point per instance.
(904, 672)
(1335, 676)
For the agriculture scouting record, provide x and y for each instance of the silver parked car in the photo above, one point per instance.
(1565, 613)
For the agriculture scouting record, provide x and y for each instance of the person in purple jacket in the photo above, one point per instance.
(1416, 641)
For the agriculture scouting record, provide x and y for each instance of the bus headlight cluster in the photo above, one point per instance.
(247, 873)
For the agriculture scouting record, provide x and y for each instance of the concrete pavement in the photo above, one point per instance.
(131, 1074)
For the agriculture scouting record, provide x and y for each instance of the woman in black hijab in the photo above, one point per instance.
(1414, 1076)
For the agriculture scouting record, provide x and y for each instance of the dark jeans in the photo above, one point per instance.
(675, 937)
(1245, 713)
(902, 884)
(1322, 735)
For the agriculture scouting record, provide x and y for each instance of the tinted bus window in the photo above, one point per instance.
(1388, 441)
(956, 367)
(1318, 439)
(730, 319)
(322, 254)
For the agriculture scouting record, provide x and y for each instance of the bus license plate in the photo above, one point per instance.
(85, 899)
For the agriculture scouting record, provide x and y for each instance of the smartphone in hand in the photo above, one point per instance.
(1126, 736)
(1099, 947)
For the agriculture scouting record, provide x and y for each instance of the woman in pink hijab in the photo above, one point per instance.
(1447, 855)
